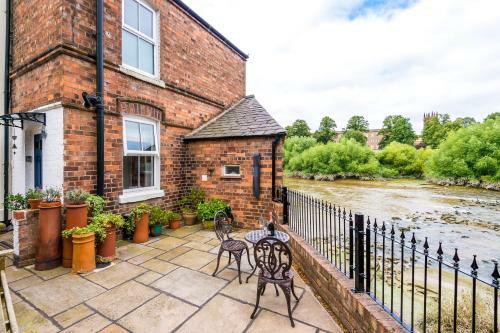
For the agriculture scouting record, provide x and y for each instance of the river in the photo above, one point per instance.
(459, 217)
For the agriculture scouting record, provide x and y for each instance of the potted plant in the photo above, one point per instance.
(206, 211)
(139, 222)
(16, 202)
(84, 246)
(34, 197)
(188, 205)
(76, 216)
(174, 220)
(158, 218)
(48, 248)
(95, 205)
(106, 248)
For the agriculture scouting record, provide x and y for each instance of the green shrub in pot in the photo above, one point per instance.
(16, 202)
(96, 204)
(189, 204)
(206, 211)
(158, 218)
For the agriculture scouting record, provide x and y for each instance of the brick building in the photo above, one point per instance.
(373, 138)
(176, 112)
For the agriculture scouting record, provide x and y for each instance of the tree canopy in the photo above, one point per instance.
(326, 130)
(493, 116)
(355, 135)
(397, 128)
(436, 129)
(357, 123)
(298, 128)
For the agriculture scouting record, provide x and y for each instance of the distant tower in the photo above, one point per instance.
(429, 116)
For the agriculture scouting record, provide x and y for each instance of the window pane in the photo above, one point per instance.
(146, 21)
(129, 49)
(232, 170)
(133, 135)
(146, 62)
(148, 137)
(131, 13)
(130, 172)
(147, 171)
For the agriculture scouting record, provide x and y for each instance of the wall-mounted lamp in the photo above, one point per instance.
(44, 133)
(211, 171)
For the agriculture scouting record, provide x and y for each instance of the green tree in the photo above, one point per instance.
(296, 145)
(298, 128)
(403, 160)
(357, 123)
(465, 122)
(397, 128)
(436, 129)
(355, 135)
(326, 130)
(493, 116)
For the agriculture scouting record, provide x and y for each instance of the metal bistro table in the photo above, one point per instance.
(256, 235)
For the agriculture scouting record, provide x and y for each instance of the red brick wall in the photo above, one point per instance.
(25, 236)
(213, 154)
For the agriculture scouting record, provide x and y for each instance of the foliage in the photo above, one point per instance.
(190, 201)
(16, 202)
(173, 216)
(34, 194)
(97, 229)
(436, 129)
(466, 121)
(296, 145)
(472, 153)
(357, 123)
(206, 210)
(493, 116)
(95, 204)
(345, 157)
(398, 159)
(77, 196)
(355, 135)
(108, 219)
(52, 194)
(326, 130)
(159, 216)
(397, 129)
(298, 128)
(136, 213)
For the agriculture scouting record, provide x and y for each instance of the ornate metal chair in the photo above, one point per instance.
(274, 259)
(222, 226)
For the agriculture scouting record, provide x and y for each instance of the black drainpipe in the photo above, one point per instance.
(97, 101)
(6, 109)
(276, 140)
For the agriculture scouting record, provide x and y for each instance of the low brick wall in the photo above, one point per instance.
(357, 312)
(25, 236)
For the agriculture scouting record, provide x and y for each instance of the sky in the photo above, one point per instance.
(339, 58)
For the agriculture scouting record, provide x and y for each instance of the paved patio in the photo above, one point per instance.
(164, 285)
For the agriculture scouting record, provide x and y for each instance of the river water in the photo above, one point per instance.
(459, 217)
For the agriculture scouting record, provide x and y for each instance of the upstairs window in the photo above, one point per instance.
(139, 36)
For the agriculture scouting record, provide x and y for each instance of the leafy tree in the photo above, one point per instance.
(326, 130)
(398, 129)
(357, 123)
(493, 116)
(403, 160)
(355, 135)
(436, 129)
(296, 145)
(465, 122)
(298, 128)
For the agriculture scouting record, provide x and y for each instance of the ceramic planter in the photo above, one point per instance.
(34, 203)
(48, 247)
(189, 218)
(175, 224)
(155, 230)
(106, 250)
(76, 216)
(141, 232)
(83, 253)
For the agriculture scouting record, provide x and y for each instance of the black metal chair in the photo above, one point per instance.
(222, 226)
(274, 259)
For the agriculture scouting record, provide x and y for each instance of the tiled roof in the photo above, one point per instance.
(245, 118)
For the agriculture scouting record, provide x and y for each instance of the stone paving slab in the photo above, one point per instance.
(142, 258)
(159, 266)
(311, 311)
(131, 250)
(50, 274)
(116, 274)
(168, 243)
(148, 277)
(73, 315)
(92, 324)
(114, 329)
(269, 322)
(169, 255)
(30, 320)
(25, 283)
(194, 259)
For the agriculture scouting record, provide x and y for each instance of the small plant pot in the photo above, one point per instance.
(106, 250)
(141, 232)
(189, 218)
(48, 247)
(155, 230)
(34, 203)
(175, 224)
(76, 216)
(83, 253)
(208, 225)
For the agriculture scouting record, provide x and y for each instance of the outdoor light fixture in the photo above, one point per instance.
(211, 171)
(90, 100)
(44, 133)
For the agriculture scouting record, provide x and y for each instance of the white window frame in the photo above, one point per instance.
(155, 154)
(224, 174)
(153, 40)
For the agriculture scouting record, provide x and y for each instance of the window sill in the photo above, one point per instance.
(129, 197)
(140, 76)
(230, 177)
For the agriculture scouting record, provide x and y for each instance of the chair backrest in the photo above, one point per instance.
(274, 257)
(222, 226)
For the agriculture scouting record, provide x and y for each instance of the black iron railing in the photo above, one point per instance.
(422, 291)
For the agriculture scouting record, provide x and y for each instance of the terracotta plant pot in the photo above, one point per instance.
(48, 247)
(34, 203)
(83, 253)
(141, 232)
(175, 224)
(106, 250)
(155, 230)
(76, 216)
(189, 218)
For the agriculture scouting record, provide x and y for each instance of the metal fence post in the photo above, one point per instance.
(359, 261)
(284, 193)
